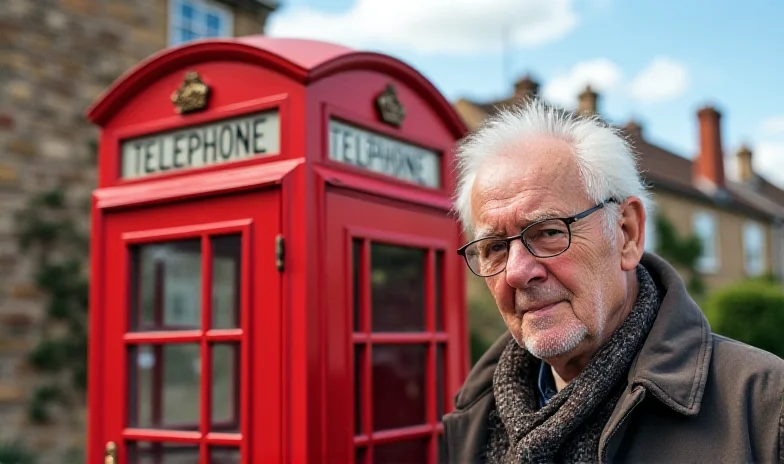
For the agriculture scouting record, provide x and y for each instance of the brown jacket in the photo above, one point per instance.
(692, 395)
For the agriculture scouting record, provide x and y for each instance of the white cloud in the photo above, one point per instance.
(601, 74)
(663, 79)
(431, 26)
(773, 125)
(768, 160)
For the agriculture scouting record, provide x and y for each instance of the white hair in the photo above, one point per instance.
(605, 159)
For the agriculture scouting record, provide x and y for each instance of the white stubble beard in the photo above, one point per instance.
(576, 332)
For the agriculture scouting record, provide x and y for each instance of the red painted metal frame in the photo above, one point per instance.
(367, 338)
(325, 102)
(199, 185)
(307, 409)
(305, 62)
(206, 336)
(409, 232)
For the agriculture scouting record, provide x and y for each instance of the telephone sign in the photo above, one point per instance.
(219, 142)
(385, 155)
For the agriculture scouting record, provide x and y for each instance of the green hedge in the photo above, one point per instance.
(751, 312)
(15, 452)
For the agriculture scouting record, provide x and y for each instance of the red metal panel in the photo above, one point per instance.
(161, 435)
(261, 389)
(302, 356)
(210, 183)
(430, 380)
(301, 61)
(205, 392)
(399, 338)
(96, 436)
(364, 217)
(297, 338)
(248, 214)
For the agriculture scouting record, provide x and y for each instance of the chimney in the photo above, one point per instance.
(526, 88)
(745, 172)
(587, 101)
(634, 129)
(709, 164)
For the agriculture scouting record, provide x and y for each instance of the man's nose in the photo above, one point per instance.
(523, 268)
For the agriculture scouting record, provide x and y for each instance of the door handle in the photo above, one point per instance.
(110, 454)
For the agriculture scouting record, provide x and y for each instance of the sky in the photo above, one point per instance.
(654, 61)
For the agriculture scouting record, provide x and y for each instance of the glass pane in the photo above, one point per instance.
(356, 264)
(361, 456)
(224, 455)
(188, 35)
(162, 453)
(167, 285)
(359, 362)
(398, 386)
(439, 288)
(440, 376)
(186, 11)
(226, 281)
(164, 386)
(441, 449)
(213, 22)
(410, 451)
(226, 388)
(398, 288)
(181, 35)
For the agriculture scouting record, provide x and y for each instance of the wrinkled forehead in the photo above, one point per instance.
(535, 179)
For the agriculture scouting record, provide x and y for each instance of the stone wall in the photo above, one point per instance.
(58, 57)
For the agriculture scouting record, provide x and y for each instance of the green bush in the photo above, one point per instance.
(15, 452)
(751, 312)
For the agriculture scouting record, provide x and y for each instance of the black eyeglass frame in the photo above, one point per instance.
(566, 220)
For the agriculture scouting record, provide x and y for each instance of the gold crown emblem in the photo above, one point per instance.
(389, 107)
(192, 94)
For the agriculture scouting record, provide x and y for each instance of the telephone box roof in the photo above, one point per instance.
(305, 61)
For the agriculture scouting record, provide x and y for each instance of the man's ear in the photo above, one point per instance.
(632, 224)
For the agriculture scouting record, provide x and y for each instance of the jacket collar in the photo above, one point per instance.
(672, 364)
(480, 379)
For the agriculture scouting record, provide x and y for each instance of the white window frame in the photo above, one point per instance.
(705, 226)
(754, 237)
(651, 234)
(199, 26)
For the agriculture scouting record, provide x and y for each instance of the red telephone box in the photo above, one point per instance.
(273, 267)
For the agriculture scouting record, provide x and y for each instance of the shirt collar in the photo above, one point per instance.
(546, 384)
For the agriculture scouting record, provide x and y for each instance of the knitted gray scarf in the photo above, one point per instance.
(568, 428)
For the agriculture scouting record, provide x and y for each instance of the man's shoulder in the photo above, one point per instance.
(728, 350)
(479, 382)
(745, 365)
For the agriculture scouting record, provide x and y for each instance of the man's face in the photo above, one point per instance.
(552, 306)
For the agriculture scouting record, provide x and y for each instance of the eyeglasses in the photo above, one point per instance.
(546, 238)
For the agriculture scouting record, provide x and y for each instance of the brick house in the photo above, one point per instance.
(740, 222)
(58, 56)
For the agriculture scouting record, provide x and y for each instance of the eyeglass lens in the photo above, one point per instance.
(548, 238)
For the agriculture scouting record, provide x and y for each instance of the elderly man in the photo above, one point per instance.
(607, 358)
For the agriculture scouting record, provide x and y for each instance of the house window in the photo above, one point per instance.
(651, 238)
(705, 227)
(198, 19)
(754, 248)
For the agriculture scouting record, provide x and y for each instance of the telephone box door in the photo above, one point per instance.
(388, 266)
(193, 327)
